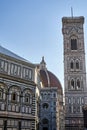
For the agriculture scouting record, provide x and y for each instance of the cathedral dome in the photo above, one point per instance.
(48, 79)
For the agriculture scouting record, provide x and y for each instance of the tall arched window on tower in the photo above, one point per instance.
(73, 44)
(77, 64)
(72, 84)
(71, 65)
(78, 84)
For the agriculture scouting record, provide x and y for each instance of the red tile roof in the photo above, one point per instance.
(49, 79)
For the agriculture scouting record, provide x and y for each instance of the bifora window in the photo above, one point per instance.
(73, 44)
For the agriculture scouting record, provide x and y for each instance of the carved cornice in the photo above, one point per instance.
(73, 19)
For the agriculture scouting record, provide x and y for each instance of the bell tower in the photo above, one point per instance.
(74, 71)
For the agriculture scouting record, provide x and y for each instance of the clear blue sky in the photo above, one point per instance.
(32, 29)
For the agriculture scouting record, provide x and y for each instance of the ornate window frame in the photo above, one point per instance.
(73, 43)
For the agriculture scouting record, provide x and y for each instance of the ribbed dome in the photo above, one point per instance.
(49, 79)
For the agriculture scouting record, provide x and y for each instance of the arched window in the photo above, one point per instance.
(77, 65)
(71, 65)
(78, 83)
(72, 84)
(27, 98)
(14, 96)
(73, 44)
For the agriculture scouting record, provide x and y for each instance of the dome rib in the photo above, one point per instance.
(43, 78)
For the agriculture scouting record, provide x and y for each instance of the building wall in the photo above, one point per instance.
(17, 95)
